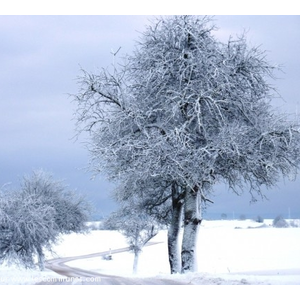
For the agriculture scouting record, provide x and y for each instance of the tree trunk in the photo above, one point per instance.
(136, 260)
(174, 230)
(192, 221)
(41, 259)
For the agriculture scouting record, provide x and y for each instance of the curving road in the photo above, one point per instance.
(76, 276)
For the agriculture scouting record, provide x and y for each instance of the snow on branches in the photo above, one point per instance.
(32, 218)
(189, 109)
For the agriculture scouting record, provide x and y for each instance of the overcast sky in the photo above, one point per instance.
(40, 58)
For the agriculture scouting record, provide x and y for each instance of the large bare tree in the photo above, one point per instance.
(192, 110)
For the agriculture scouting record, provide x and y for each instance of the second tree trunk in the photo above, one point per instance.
(192, 221)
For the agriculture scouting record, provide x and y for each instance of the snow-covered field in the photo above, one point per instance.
(229, 253)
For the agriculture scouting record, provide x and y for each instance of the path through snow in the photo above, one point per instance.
(76, 276)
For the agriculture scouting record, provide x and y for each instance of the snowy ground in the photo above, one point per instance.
(229, 253)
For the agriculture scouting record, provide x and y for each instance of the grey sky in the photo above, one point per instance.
(40, 58)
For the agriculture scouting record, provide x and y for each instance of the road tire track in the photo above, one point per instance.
(77, 276)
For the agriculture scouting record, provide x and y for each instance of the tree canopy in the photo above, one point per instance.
(189, 107)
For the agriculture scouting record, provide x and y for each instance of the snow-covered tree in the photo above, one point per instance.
(137, 226)
(33, 218)
(192, 110)
(71, 210)
(27, 229)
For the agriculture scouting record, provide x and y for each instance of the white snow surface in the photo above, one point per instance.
(229, 253)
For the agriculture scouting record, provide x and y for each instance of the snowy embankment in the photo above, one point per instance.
(229, 252)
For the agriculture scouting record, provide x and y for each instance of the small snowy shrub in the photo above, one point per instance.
(259, 219)
(294, 223)
(223, 216)
(242, 217)
(279, 222)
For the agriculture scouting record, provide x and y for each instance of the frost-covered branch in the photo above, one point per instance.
(33, 218)
(188, 109)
